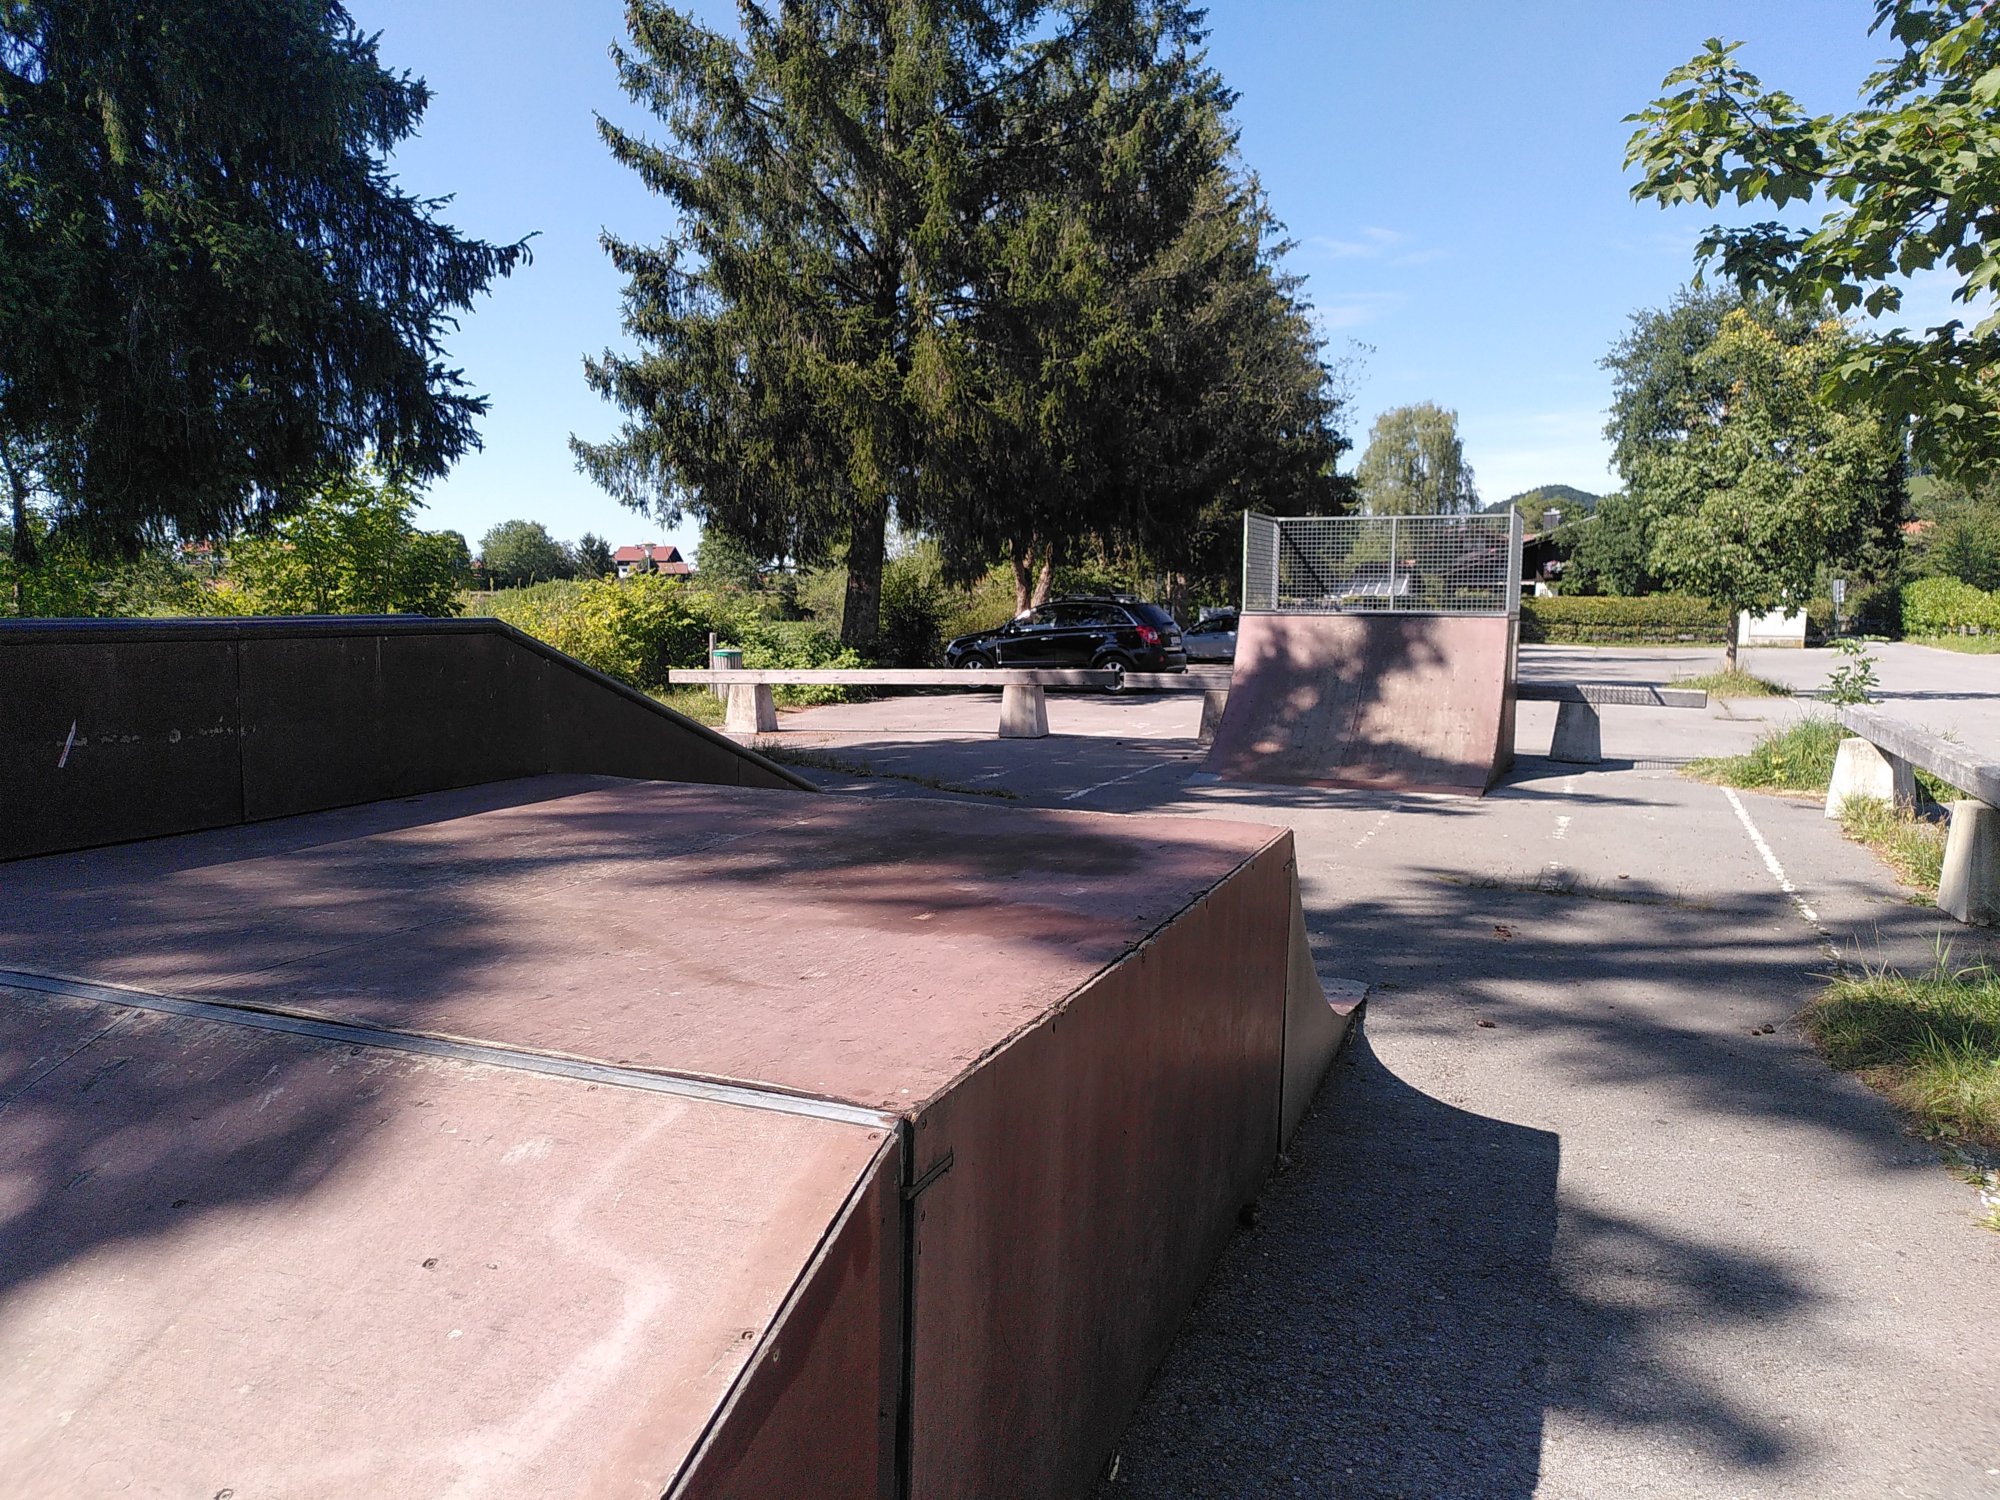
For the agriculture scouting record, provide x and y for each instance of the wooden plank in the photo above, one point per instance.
(1626, 694)
(1970, 772)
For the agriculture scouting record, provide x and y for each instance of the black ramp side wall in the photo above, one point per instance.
(328, 723)
(106, 740)
(184, 725)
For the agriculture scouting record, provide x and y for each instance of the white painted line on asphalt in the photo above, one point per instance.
(1777, 870)
(1562, 826)
(1375, 827)
(1552, 875)
(1085, 791)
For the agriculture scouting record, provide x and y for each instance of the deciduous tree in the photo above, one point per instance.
(1910, 182)
(1414, 464)
(1770, 484)
(515, 553)
(351, 549)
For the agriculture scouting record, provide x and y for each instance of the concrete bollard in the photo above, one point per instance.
(1579, 736)
(1024, 713)
(1862, 770)
(1969, 885)
(752, 709)
(1213, 705)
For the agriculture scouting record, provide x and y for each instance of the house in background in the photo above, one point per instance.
(649, 557)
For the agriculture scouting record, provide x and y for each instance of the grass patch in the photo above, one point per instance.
(1911, 846)
(1971, 645)
(1931, 1042)
(1797, 758)
(1734, 682)
(819, 760)
(697, 703)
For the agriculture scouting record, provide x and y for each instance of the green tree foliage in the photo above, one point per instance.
(211, 293)
(986, 265)
(1148, 368)
(1660, 379)
(724, 560)
(593, 556)
(1770, 484)
(351, 550)
(796, 328)
(1910, 181)
(1960, 534)
(63, 580)
(1610, 551)
(516, 553)
(639, 628)
(1414, 464)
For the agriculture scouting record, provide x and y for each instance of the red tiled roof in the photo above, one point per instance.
(664, 557)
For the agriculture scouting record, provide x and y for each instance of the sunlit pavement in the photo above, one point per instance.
(1570, 1221)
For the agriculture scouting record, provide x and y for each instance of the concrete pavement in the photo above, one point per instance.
(1571, 1221)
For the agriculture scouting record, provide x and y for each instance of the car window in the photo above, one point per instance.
(1043, 618)
(1077, 617)
(1152, 614)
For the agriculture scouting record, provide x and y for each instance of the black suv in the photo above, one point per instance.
(1122, 633)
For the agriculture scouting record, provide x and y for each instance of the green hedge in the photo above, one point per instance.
(638, 629)
(1610, 621)
(1946, 606)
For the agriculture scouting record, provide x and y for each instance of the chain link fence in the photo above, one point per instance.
(1426, 565)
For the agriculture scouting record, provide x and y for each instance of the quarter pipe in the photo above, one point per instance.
(1416, 702)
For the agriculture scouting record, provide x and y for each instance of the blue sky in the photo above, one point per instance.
(1450, 172)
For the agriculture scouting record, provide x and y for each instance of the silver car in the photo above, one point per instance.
(1211, 638)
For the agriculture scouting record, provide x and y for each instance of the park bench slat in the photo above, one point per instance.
(1972, 773)
(971, 681)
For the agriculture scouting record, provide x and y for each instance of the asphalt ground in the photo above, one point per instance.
(1581, 1214)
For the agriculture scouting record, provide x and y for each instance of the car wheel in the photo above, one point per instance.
(972, 661)
(1119, 664)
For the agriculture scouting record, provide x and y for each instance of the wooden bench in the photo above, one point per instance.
(1579, 736)
(1880, 758)
(1023, 690)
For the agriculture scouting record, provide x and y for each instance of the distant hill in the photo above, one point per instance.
(1567, 498)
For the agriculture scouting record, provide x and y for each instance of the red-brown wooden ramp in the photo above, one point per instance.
(1370, 699)
(579, 1137)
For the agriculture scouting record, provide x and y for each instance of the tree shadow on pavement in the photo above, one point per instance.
(1397, 1322)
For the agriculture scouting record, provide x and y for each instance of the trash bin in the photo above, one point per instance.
(724, 659)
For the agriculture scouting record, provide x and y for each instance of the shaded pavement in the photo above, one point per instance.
(1582, 1214)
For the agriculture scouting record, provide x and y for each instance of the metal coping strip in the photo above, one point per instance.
(484, 1054)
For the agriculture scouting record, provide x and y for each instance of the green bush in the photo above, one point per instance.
(638, 629)
(1573, 620)
(1945, 606)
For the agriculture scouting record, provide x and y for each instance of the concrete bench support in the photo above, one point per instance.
(1579, 736)
(752, 709)
(1024, 712)
(1969, 885)
(1860, 769)
(1212, 705)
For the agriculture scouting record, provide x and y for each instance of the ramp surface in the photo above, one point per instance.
(1370, 699)
(630, 1138)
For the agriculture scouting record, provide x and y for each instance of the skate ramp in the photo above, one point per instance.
(127, 729)
(591, 1137)
(1370, 699)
